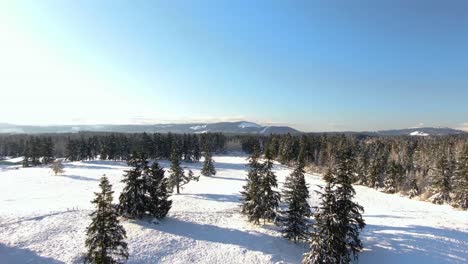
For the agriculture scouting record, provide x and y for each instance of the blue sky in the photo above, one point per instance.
(314, 65)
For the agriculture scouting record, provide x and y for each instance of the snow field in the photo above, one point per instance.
(43, 219)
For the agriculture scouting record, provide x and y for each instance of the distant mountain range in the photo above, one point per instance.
(242, 127)
(421, 131)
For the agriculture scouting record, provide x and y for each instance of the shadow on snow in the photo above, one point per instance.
(14, 255)
(234, 198)
(413, 244)
(254, 241)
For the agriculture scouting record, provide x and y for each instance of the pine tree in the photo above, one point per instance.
(269, 198)
(177, 173)
(158, 194)
(362, 167)
(441, 180)
(208, 167)
(326, 244)
(460, 182)
(178, 178)
(393, 176)
(348, 212)
(251, 193)
(295, 220)
(132, 199)
(105, 236)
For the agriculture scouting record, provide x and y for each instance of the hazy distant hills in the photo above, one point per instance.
(422, 131)
(224, 127)
(242, 127)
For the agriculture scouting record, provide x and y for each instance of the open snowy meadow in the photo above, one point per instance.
(43, 219)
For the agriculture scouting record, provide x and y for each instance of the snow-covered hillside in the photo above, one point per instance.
(43, 220)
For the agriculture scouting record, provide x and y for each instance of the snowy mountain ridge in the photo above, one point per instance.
(222, 127)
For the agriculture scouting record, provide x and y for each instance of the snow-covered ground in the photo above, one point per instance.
(43, 220)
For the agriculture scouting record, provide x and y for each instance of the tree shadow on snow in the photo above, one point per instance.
(36, 218)
(234, 198)
(278, 248)
(226, 178)
(79, 178)
(230, 166)
(14, 255)
(92, 167)
(413, 244)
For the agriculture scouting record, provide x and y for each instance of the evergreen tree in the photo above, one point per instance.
(178, 178)
(348, 212)
(269, 198)
(132, 199)
(251, 193)
(326, 244)
(157, 186)
(362, 167)
(295, 220)
(105, 236)
(441, 180)
(393, 176)
(460, 182)
(208, 167)
(177, 173)
(25, 162)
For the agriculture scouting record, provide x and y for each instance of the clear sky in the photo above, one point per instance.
(314, 65)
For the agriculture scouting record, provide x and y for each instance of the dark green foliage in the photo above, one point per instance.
(158, 204)
(394, 172)
(295, 220)
(105, 236)
(460, 181)
(251, 194)
(177, 173)
(132, 201)
(146, 190)
(259, 199)
(177, 177)
(326, 244)
(441, 180)
(269, 198)
(208, 165)
(348, 212)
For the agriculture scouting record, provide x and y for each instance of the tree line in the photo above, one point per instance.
(42, 149)
(433, 168)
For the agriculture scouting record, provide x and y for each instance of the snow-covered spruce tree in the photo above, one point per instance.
(348, 212)
(362, 167)
(105, 236)
(251, 193)
(158, 203)
(394, 172)
(460, 181)
(177, 173)
(269, 198)
(295, 220)
(326, 243)
(177, 177)
(132, 200)
(441, 180)
(208, 167)
(414, 189)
